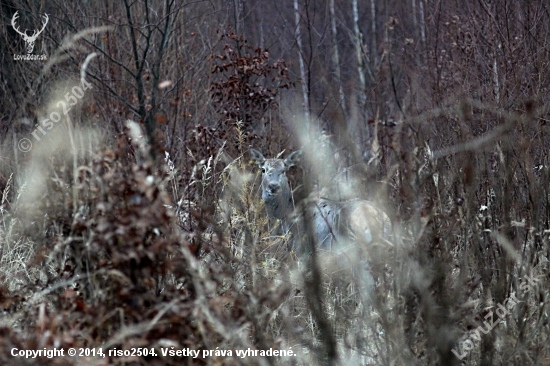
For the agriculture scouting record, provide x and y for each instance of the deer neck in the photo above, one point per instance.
(280, 206)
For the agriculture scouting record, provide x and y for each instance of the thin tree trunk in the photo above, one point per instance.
(415, 21)
(301, 56)
(422, 22)
(336, 57)
(373, 29)
(495, 78)
(359, 55)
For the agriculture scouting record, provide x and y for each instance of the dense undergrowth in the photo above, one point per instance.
(152, 234)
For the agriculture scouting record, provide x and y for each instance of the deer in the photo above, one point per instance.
(333, 222)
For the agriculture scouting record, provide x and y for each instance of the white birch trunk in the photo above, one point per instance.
(373, 30)
(359, 55)
(495, 78)
(303, 73)
(422, 22)
(336, 57)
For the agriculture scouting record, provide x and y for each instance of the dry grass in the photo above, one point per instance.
(97, 254)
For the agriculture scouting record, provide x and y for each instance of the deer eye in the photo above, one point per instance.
(263, 170)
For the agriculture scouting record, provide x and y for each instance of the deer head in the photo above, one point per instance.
(276, 191)
(29, 40)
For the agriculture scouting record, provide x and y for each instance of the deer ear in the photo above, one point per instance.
(293, 159)
(257, 156)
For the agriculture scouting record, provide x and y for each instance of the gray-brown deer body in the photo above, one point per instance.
(276, 191)
(331, 221)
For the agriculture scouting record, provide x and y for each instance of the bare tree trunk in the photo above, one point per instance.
(301, 56)
(415, 21)
(359, 55)
(336, 57)
(422, 22)
(495, 78)
(238, 14)
(373, 28)
(415, 30)
(496, 48)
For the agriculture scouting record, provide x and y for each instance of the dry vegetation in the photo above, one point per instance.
(151, 234)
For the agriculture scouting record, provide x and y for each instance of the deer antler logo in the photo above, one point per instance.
(29, 40)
